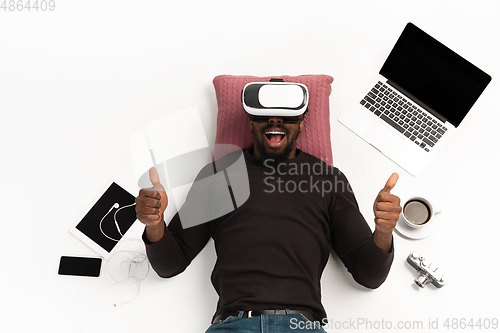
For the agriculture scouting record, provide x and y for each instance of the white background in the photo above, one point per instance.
(75, 83)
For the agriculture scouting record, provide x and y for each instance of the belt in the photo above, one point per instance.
(248, 314)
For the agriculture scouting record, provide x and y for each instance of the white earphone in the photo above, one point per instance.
(133, 262)
(116, 205)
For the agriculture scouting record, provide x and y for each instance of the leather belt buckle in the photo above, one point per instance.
(256, 313)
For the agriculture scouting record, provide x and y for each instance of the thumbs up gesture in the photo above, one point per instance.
(387, 207)
(151, 202)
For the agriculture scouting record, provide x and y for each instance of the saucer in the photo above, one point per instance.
(417, 233)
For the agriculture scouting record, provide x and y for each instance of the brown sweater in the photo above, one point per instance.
(272, 250)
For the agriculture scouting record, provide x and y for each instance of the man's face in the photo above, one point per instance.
(275, 140)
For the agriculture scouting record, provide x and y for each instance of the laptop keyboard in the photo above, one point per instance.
(405, 116)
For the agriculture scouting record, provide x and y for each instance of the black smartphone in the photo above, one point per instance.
(80, 266)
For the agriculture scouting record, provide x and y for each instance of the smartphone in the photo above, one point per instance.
(80, 266)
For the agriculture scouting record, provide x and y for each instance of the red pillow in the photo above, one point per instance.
(233, 124)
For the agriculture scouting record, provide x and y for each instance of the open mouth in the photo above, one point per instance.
(275, 137)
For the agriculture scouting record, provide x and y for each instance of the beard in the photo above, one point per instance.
(276, 155)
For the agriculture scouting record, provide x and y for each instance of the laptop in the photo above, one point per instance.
(421, 95)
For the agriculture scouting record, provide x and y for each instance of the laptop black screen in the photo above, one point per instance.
(433, 75)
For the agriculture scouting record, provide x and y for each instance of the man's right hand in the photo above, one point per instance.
(152, 202)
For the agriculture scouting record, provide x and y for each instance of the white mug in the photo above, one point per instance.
(418, 212)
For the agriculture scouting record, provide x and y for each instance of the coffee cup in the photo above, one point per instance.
(418, 212)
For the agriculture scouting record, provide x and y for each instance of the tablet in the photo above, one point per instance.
(107, 219)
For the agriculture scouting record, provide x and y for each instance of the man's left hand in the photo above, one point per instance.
(387, 207)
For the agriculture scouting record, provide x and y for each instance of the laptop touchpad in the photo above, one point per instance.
(383, 137)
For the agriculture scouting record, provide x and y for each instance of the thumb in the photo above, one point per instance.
(155, 179)
(391, 182)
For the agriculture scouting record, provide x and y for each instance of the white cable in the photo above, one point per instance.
(116, 222)
(133, 264)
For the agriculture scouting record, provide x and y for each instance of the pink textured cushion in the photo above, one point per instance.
(233, 124)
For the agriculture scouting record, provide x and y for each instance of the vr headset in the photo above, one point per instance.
(262, 100)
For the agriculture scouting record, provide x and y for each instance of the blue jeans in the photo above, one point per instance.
(285, 323)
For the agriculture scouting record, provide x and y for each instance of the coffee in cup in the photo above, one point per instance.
(418, 212)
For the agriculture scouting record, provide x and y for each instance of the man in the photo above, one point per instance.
(271, 251)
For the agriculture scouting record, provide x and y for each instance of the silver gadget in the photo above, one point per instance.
(102, 233)
(422, 93)
(428, 272)
(283, 99)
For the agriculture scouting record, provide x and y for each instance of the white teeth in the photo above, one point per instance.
(275, 133)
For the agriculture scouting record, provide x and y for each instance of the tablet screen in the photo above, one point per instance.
(106, 223)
